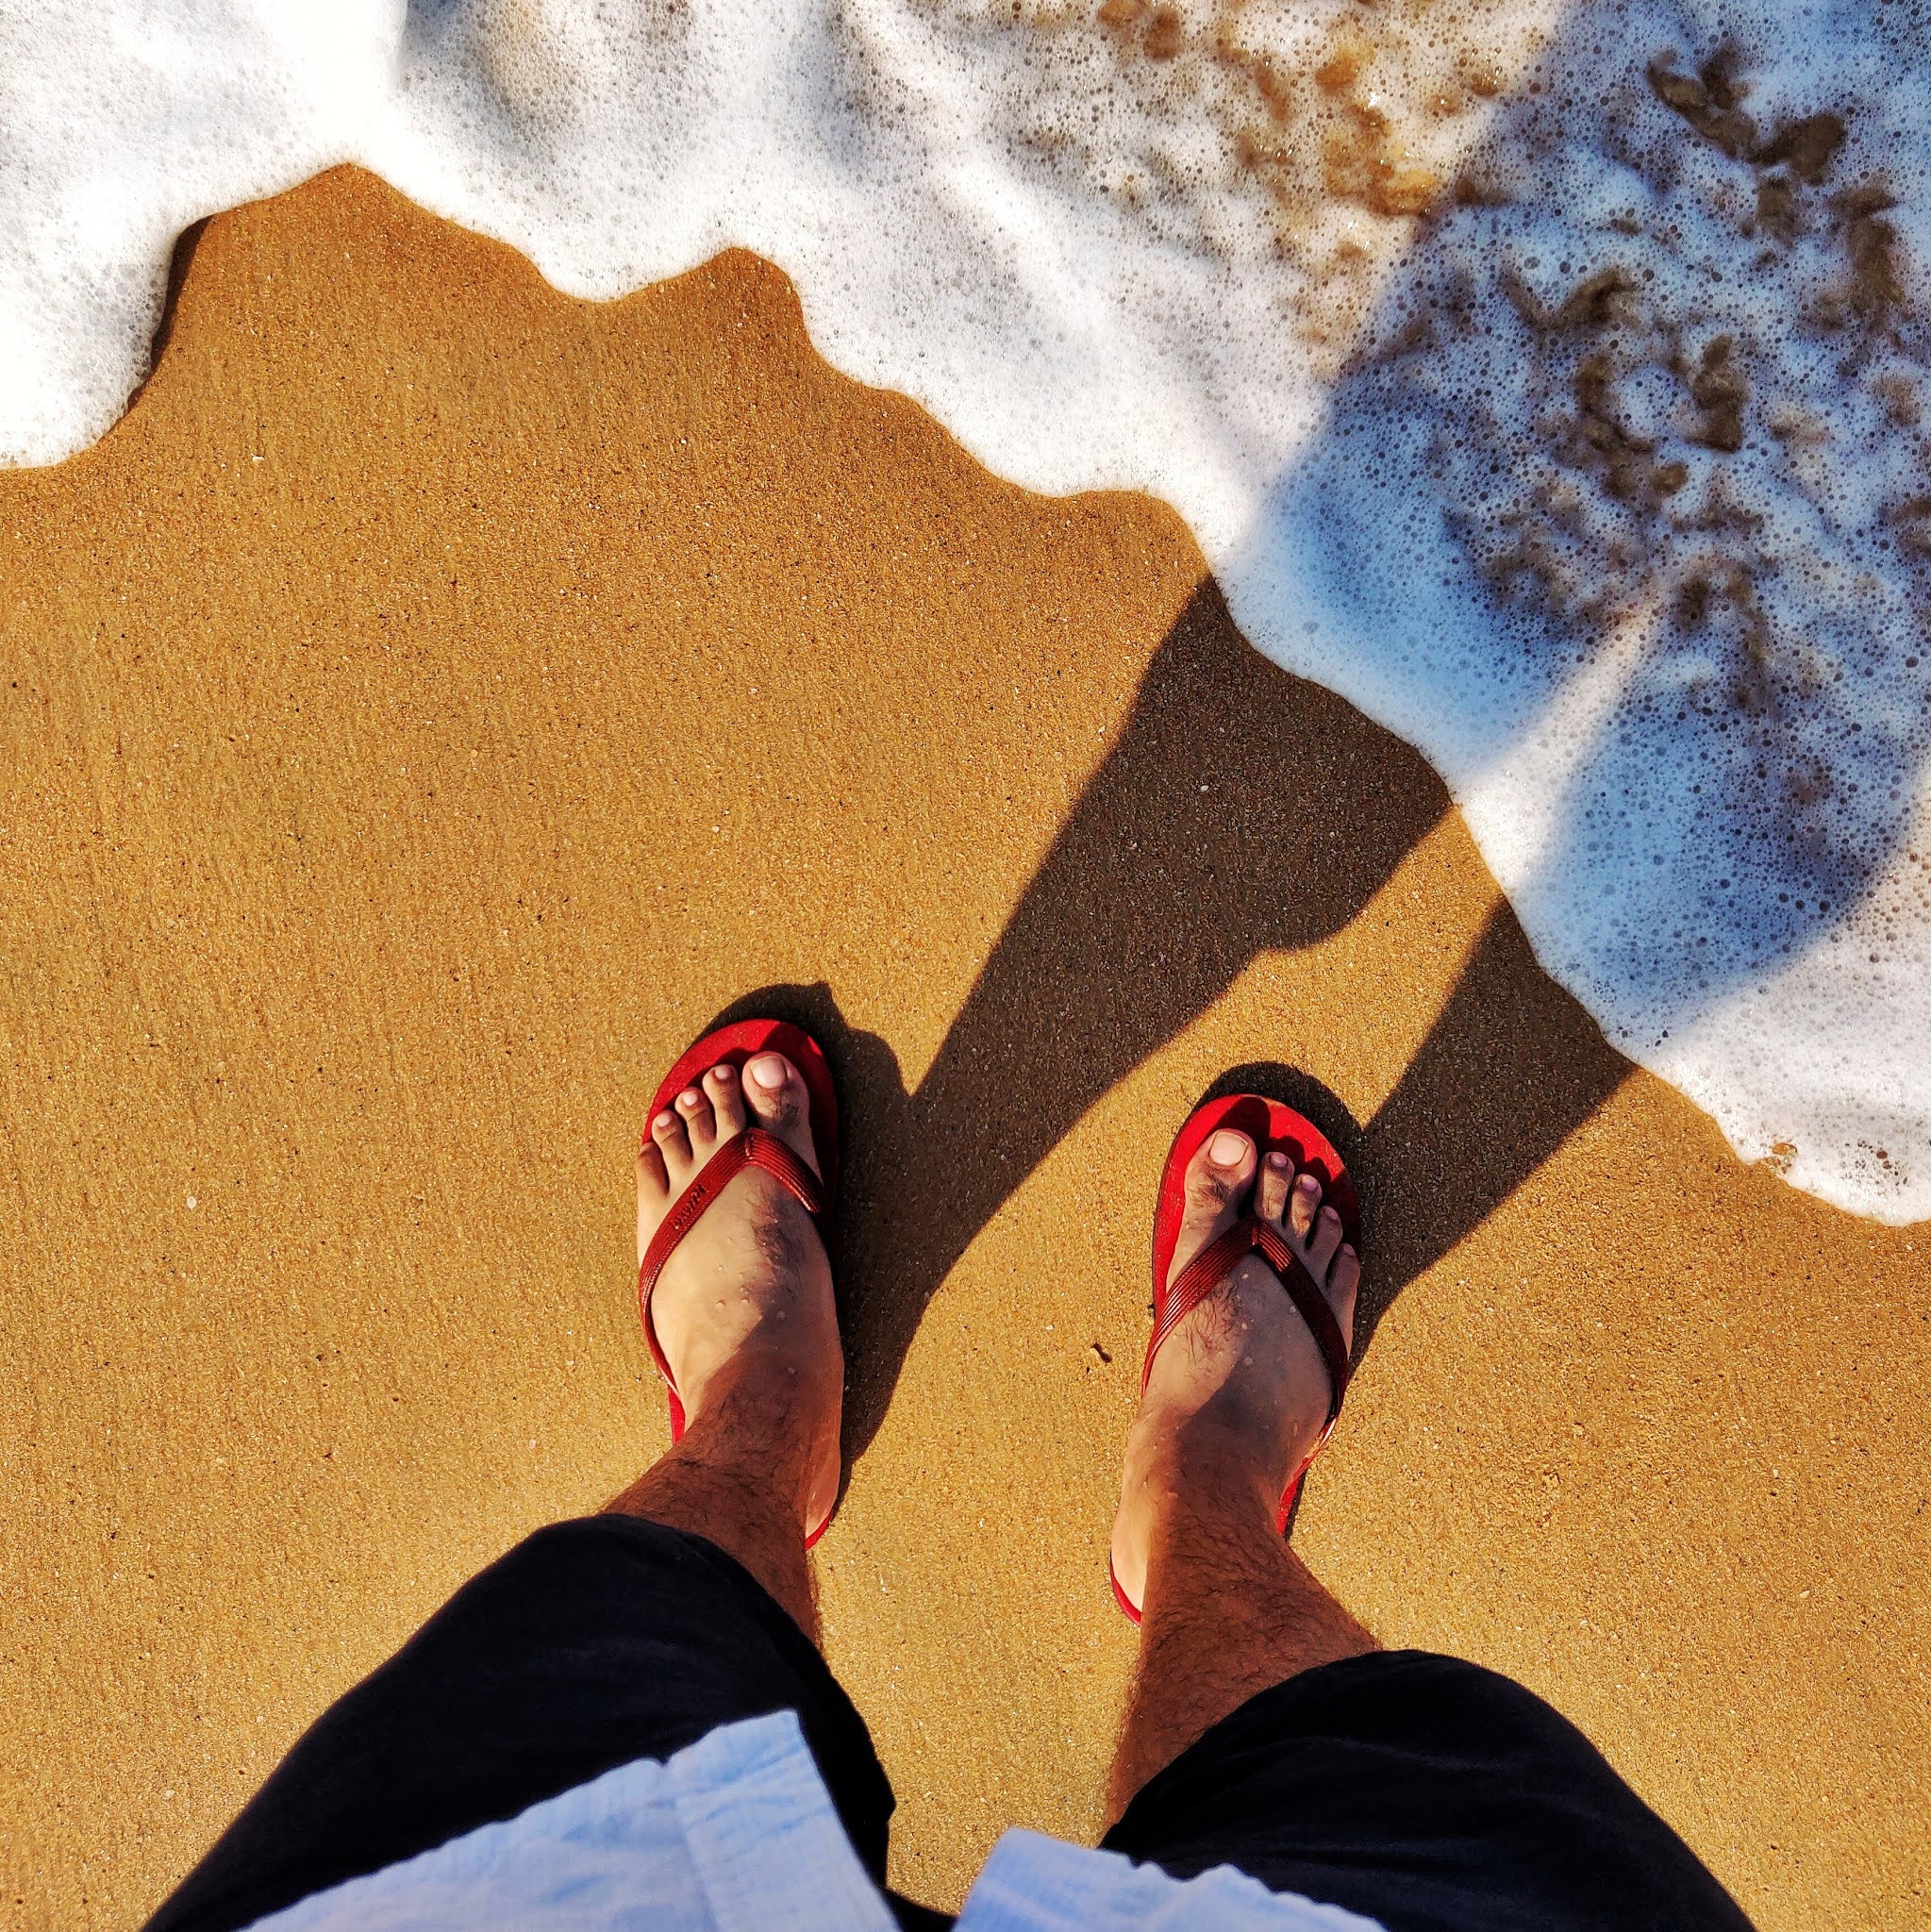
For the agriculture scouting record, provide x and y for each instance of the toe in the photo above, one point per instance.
(1322, 1245)
(1271, 1196)
(1218, 1172)
(1217, 1178)
(674, 1145)
(653, 1176)
(652, 1191)
(1344, 1279)
(726, 1101)
(700, 1123)
(1303, 1206)
(776, 1094)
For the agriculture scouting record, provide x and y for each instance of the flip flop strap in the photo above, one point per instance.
(754, 1148)
(1218, 1259)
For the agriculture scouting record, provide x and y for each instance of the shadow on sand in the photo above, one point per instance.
(1241, 810)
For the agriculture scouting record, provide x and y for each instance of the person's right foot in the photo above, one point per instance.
(1240, 1386)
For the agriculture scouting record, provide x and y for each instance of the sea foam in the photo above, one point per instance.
(1550, 383)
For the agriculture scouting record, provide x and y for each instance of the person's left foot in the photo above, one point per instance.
(745, 1299)
(1240, 1386)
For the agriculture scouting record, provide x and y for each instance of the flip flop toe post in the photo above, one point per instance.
(732, 1047)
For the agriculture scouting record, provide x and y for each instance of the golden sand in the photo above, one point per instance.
(433, 704)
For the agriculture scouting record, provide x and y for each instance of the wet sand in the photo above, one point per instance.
(432, 704)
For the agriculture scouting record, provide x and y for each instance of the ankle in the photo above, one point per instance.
(1212, 1457)
(763, 1418)
(778, 1378)
(1195, 1486)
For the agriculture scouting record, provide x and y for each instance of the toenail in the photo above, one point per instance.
(1225, 1149)
(1277, 1161)
(768, 1069)
(664, 1119)
(721, 1073)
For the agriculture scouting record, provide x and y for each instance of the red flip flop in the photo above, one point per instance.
(1272, 1127)
(732, 1047)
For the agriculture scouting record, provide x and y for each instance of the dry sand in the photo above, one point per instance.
(437, 700)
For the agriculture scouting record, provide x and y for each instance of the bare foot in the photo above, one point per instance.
(1240, 1386)
(746, 1296)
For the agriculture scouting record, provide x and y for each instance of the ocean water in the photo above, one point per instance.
(1551, 382)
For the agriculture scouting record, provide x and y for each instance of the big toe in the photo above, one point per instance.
(1218, 1181)
(779, 1101)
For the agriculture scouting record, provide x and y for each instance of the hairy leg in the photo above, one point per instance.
(1229, 1611)
(740, 1478)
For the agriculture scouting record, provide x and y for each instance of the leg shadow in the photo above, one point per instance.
(1240, 810)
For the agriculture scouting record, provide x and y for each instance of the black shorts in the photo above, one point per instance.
(1428, 1793)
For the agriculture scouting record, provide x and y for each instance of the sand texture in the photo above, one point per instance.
(438, 699)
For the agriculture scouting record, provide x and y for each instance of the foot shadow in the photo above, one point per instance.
(1241, 810)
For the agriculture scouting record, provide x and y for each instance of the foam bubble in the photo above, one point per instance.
(1550, 383)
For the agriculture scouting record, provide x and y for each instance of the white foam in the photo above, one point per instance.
(1639, 561)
